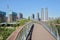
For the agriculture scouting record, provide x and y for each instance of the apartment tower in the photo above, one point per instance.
(46, 14)
(42, 14)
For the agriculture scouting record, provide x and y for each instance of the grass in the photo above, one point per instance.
(23, 21)
(5, 32)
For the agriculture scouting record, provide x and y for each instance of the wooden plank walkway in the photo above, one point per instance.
(40, 33)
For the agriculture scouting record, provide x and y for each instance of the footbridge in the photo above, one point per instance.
(36, 30)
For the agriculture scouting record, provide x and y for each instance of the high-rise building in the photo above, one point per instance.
(6, 18)
(20, 16)
(38, 16)
(46, 14)
(42, 14)
(33, 16)
(2, 16)
(14, 16)
(10, 18)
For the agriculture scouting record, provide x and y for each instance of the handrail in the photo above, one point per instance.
(52, 30)
(56, 31)
(24, 32)
(18, 31)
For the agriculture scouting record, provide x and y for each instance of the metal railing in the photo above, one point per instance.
(52, 30)
(24, 32)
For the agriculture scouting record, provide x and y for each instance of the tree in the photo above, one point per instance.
(0, 20)
(29, 18)
(58, 21)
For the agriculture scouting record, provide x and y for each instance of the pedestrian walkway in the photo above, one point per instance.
(31, 31)
(40, 33)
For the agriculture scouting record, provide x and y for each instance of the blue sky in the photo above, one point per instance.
(27, 7)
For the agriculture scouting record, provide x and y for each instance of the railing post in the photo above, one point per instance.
(57, 35)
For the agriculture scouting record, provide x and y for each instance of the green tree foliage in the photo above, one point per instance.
(22, 21)
(5, 32)
(29, 18)
(0, 20)
(56, 21)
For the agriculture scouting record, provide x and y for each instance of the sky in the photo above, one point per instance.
(29, 7)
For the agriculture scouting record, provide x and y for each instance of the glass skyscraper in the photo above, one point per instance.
(20, 16)
(33, 16)
(14, 16)
(2, 16)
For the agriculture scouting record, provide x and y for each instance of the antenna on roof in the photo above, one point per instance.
(8, 8)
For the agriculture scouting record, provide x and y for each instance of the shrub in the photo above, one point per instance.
(22, 21)
(5, 32)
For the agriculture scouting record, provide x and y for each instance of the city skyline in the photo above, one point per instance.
(31, 6)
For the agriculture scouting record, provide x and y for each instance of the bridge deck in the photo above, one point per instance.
(40, 33)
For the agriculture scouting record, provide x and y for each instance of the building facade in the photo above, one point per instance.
(12, 17)
(38, 16)
(20, 16)
(2, 16)
(42, 14)
(46, 14)
(33, 16)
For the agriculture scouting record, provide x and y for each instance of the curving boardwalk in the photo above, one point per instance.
(40, 33)
(36, 32)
